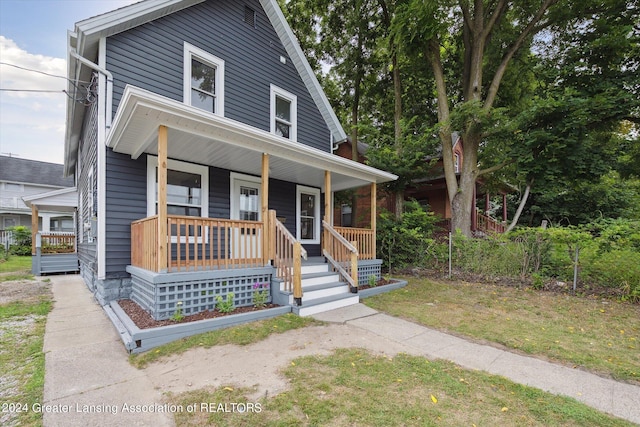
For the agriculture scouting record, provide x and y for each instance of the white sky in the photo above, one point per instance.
(33, 35)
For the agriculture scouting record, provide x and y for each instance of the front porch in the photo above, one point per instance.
(207, 258)
(243, 241)
(53, 251)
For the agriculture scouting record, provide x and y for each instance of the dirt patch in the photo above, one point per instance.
(144, 320)
(258, 366)
(26, 291)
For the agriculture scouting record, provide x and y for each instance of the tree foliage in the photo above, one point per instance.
(538, 89)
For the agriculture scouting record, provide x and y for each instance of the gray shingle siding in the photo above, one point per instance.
(219, 188)
(126, 201)
(87, 154)
(151, 57)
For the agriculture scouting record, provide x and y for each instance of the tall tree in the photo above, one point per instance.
(483, 29)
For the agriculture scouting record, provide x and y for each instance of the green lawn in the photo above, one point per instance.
(15, 268)
(601, 335)
(354, 388)
(22, 326)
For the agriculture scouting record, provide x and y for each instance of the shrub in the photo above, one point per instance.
(617, 269)
(22, 239)
(406, 241)
(536, 248)
(490, 256)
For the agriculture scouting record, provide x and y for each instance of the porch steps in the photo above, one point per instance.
(322, 290)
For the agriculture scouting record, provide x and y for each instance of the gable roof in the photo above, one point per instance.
(62, 200)
(86, 38)
(14, 169)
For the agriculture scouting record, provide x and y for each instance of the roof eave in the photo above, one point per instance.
(244, 135)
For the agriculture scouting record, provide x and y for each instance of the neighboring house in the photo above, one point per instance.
(432, 191)
(429, 191)
(202, 153)
(22, 178)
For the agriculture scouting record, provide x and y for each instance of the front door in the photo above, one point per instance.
(246, 206)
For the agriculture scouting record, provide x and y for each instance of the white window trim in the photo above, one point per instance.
(203, 171)
(316, 192)
(233, 178)
(276, 91)
(456, 162)
(191, 51)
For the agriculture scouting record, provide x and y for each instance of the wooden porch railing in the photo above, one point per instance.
(58, 243)
(198, 243)
(144, 248)
(287, 253)
(341, 254)
(487, 224)
(365, 239)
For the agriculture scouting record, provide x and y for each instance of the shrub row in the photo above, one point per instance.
(608, 251)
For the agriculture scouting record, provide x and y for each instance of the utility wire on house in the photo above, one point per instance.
(87, 88)
(40, 72)
(31, 90)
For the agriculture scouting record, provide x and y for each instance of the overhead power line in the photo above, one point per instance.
(40, 72)
(85, 99)
(32, 90)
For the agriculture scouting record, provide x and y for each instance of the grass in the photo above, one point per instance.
(15, 268)
(239, 335)
(21, 359)
(352, 387)
(599, 335)
(22, 325)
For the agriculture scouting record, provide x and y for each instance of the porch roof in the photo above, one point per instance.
(62, 200)
(200, 137)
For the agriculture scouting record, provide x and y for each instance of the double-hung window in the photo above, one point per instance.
(203, 80)
(187, 188)
(283, 113)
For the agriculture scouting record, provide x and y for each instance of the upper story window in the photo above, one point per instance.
(283, 113)
(203, 80)
(456, 162)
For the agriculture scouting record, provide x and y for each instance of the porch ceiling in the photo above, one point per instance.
(198, 137)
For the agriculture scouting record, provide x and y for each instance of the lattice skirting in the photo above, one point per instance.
(367, 268)
(159, 293)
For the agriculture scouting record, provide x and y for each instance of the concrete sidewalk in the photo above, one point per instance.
(615, 398)
(88, 378)
(89, 381)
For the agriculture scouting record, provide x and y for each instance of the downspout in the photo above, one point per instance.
(101, 231)
(109, 76)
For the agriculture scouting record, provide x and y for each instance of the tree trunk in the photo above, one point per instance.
(354, 129)
(399, 203)
(521, 206)
(462, 202)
